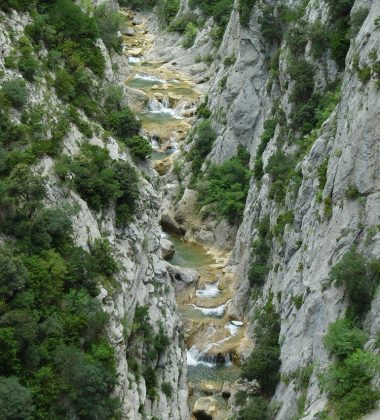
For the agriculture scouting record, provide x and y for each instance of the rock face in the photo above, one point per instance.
(167, 249)
(205, 408)
(143, 279)
(327, 220)
(182, 277)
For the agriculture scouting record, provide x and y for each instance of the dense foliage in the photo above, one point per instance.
(99, 180)
(264, 362)
(348, 380)
(361, 277)
(261, 248)
(56, 360)
(224, 188)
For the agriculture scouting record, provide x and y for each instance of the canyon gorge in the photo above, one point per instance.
(190, 224)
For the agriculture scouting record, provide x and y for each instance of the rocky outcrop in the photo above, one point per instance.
(205, 408)
(326, 222)
(143, 278)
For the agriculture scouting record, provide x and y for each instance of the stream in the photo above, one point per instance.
(211, 338)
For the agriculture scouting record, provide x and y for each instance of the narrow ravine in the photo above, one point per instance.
(166, 102)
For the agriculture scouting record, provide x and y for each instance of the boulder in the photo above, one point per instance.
(167, 249)
(137, 20)
(205, 408)
(182, 277)
(128, 32)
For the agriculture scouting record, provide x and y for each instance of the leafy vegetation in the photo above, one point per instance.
(266, 136)
(360, 276)
(264, 362)
(348, 380)
(245, 9)
(100, 180)
(204, 139)
(224, 188)
(261, 248)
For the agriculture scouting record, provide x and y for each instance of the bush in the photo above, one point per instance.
(283, 219)
(139, 146)
(167, 389)
(98, 180)
(257, 409)
(191, 32)
(264, 362)
(245, 10)
(280, 167)
(122, 123)
(261, 250)
(13, 275)
(361, 277)
(27, 64)
(266, 136)
(322, 173)
(343, 338)
(103, 255)
(15, 91)
(16, 400)
(348, 385)
(108, 23)
(204, 139)
(225, 187)
(64, 85)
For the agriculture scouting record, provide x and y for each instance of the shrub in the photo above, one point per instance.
(257, 409)
(361, 277)
(122, 123)
(264, 362)
(108, 23)
(230, 60)
(343, 338)
(245, 10)
(27, 64)
(103, 255)
(204, 139)
(16, 92)
(261, 250)
(139, 146)
(282, 220)
(266, 136)
(191, 32)
(280, 167)
(16, 400)
(225, 187)
(347, 384)
(352, 192)
(98, 180)
(167, 389)
(322, 173)
(64, 85)
(13, 276)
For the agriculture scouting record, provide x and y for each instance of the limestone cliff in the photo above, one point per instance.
(325, 220)
(142, 282)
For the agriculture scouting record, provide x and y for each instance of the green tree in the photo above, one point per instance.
(15, 400)
(13, 275)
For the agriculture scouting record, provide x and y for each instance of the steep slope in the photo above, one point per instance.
(80, 218)
(283, 87)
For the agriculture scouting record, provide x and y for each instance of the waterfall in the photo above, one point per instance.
(133, 60)
(210, 291)
(217, 311)
(163, 107)
(148, 78)
(196, 357)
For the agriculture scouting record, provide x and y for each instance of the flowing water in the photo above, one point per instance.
(170, 98)
(211, 337)
(209, 355)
